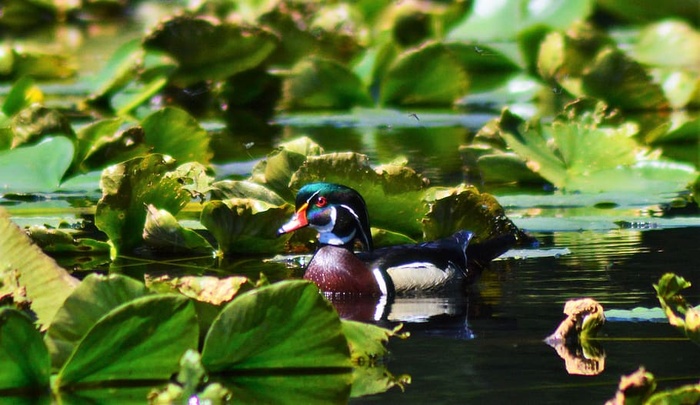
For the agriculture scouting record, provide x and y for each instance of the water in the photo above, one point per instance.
(517, 303)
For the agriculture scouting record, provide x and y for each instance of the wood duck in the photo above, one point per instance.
(339, 214)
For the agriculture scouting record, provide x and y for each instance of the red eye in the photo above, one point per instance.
(321, 201)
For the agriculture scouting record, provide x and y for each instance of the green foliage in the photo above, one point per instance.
(29, 368)
(681, 315)
(210, 51)
(94, 298)
(142, 339)
(163, 231)
(36, 168)
(126, 189)
(173, 132)
(285, 327)
(47, 285)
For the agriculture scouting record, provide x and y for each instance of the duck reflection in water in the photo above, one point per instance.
(406, 283)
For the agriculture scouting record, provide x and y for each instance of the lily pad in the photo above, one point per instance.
(313, 389)
(28, 368)
(429, 75)
(245, 225)
(36, 168)
(174, 132)
(24, 93)
(96, 296)
(285, 327)
(61, 241)
(126, 188)
(316, 83)
(586, 156)
(142, 339)
(163, 232)
(681, 315)
(210, 289)
(208, 50)
(491, 20)
(47, 285)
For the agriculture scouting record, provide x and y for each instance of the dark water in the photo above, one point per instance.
(496, 354)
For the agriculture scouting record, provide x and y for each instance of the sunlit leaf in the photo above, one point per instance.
(25, 368)
(47, 285)
(42, 65)
(313, 389)
(172, 131)
(96, 296)
(245, 225)
(640, 11)
(61, 241)
(245, 189)
(36, 122)
(36, 168)
(126, 188)
(142, 339)
(206, 50)
(429, 75)
(284, 327)
(322, 84)
(162, 231)
(24, 92)
(503, 20)
(119, 70)
(211, 289)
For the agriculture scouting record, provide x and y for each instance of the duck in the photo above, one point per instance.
(339, 214)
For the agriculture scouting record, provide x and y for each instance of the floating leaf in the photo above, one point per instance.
(174, 132)
(140, 340)
(62, 241)
(194, 178)
(640, 11)
(163, 231)
(322, 84)
(36, 122)
(214, 290)
(118, 71)
(582, 155)
(490, 20)
(244, 189)
(429, 75)
(96, 296)
(287, 327)
(206, 50)
(47, 285)
(24, 92)
(126, 188)
(670, 43)
(36, 168)
(245, 225)
(313, 389)
(24, 360)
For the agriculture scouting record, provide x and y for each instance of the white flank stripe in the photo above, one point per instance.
(380, 280)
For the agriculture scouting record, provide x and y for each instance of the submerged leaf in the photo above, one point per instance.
(126, 188)
(90, 301)
(24, 360)
(47, 285)
(142, 339)
(285, 327)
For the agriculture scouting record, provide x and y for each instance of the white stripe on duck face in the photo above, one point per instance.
(421, 276)
(326, 235)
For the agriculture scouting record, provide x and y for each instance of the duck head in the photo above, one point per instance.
(337, 212)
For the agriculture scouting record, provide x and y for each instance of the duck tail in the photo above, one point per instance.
(482, 253)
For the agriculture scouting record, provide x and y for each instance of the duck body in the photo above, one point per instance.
(340, 216)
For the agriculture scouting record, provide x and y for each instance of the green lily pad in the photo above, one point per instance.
(126, 188)
(206, 50)
(36, 122)
(142, 339)
(163, 232)
(41, 65)
(47, 284)
(314, 389)
(641, 11)
(96, 296)
(586, 156)
(316, 83)
(245, 225)
(174, 132)
(28, 368)
(670, 43)
(194, 178)
(61, 241)
(210, 289)
(117, 72)
(429, 75)
(490, 20)
(285, 327)
(276, 170)
(36, 168)
(225, 189)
